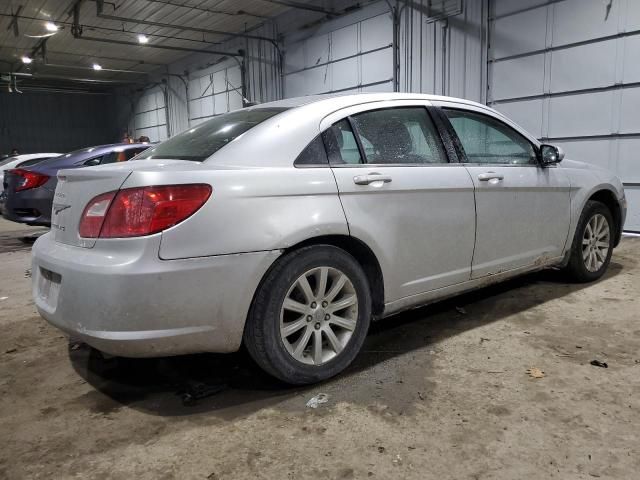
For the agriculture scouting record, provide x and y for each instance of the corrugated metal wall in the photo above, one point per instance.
(150, 115)
(55, 122)
(354, 53)
(569, 72)
(213, 87)
(350, 54)
(444, 57)
(214, 91)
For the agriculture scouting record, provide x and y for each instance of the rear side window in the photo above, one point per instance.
(399, 136)
(314, 155)
(341, 143)
(93, 161)
(199, 143)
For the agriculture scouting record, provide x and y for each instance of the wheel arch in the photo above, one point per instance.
(608, 198)
(363, 255)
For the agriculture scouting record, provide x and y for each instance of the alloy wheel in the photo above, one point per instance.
(595, 243)
(319, 315)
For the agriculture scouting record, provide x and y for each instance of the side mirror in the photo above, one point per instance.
(550, 154)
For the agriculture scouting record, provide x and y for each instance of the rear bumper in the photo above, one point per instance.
(120, 298)
(32, 207)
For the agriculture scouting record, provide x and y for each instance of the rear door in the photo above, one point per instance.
(523, 209)
(401, 195)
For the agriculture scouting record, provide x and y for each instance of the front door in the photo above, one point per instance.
(402, 197)
(523, 210)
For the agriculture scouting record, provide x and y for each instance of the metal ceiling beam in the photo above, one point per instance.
(302, 6)
(210, 10)
(13, 24)
(104, 69)
(164, 47)
(81, 27)
(105, 16)
(62, 77)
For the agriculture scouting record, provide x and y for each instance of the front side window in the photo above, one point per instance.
(199, 143)
(403, 135)
(487, 140)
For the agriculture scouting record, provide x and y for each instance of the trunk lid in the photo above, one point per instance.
(76, 187)
(74, 191)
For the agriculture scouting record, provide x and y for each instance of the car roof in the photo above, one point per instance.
(343, 100)
(69, 159)
(265, 144)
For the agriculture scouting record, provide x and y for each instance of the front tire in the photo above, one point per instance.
(310, 315)
(592, 244)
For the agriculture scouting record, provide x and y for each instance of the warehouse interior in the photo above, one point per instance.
(565, 71)
(81, 73)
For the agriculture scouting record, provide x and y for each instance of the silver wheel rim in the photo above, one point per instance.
(319, 315)
(595, 243)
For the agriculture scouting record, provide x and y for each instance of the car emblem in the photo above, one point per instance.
(62, 208)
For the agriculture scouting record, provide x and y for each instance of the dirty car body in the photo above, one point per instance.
(410, 198)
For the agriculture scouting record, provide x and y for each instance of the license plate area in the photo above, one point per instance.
(49, 287)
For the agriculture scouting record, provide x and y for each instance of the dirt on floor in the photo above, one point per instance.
(439, 392)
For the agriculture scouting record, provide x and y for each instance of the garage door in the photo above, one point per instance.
(350, 55)
(569, 72)
(150, 118)
(213, 93)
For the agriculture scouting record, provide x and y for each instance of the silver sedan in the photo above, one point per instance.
(289, 226)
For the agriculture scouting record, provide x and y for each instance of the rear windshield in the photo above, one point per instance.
(199, 143)
(7, 160)
(54, 160)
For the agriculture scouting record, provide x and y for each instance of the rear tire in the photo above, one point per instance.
(592, 244)
(310, 315)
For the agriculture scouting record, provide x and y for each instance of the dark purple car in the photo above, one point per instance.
(29, 191)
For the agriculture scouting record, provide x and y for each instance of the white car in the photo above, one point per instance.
(289, 226)
(18, 160)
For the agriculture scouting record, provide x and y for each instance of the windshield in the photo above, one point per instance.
(199, 143)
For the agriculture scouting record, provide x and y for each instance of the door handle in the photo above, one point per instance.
(485, 177)
(371, 178)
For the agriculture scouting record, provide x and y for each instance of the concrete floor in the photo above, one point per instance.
(440, 392)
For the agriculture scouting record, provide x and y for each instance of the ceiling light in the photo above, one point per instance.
(97, 67)
(51, 27)
(143, 38)
(26, 59)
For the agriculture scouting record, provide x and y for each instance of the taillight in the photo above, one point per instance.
(134, 212)
(29, 179)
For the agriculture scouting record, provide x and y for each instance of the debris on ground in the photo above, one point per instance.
(598, 363)
(397, 461)
(11, 350)
(3, 298)
(74, 346)
(381, 449)
(461, 310)
(421, 395)
(535, 372)
(482, 340)
(314, 402)
(27, 273)
(194, 391)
